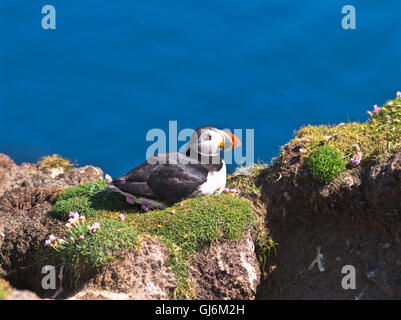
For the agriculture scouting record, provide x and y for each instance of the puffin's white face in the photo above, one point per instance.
(211, 141)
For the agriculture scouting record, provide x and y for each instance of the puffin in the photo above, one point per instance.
(167, 178)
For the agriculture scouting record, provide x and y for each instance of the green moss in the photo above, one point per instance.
(84, 190)
(198, 221)
(78, 204)
(185, 227)
(326, 163)
(91, 199)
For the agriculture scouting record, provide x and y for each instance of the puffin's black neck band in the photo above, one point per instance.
(212, 162)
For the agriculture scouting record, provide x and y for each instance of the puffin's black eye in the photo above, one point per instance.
(209, 137)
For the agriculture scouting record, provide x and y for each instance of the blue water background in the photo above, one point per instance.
(112, 70)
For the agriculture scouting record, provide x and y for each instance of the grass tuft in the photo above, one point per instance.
(326, 163)
(91, 199)
(54, 161)
(81, 249)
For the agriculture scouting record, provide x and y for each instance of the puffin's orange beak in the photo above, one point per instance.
(230, 141)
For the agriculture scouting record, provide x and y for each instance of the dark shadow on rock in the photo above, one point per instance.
(359, 226)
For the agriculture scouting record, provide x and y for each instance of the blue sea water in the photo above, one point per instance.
(112, 70)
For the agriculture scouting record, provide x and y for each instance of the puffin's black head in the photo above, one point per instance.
(210, 141)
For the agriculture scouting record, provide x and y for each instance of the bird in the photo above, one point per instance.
(168, 178)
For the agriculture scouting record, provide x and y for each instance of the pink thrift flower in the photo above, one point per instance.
(95, 226)
(226, 190)
(376, 109)
(81, 237)
(398, 94)
(145, 207)
(349, 181)
(108, 179)
(356, 159)
(130, 200)
(74, 215)
(122, 217)
(369, 113)
(47, 242)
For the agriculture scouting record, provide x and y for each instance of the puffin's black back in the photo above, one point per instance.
(170, 180)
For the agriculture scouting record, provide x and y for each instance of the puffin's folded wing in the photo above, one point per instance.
(174, 182)
(135, 181)
(169, 181)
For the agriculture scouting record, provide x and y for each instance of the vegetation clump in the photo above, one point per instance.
(377, 138)
(54, 161)
(4, 289)
(92, 245)
(184, 227)
(245, 182)
(326, 163)
(91, 199)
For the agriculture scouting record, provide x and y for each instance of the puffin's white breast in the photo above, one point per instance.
(215, 182)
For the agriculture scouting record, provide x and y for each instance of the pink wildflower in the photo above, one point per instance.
(145, 207)
(369, 113)
(74, 215)
(94, 227)
(398, 94)
(81, 237)
(122, 217)
(130, 200)
(349, 181)
(108, 179)
(71, 220)
(356, 159)
(376, 109)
